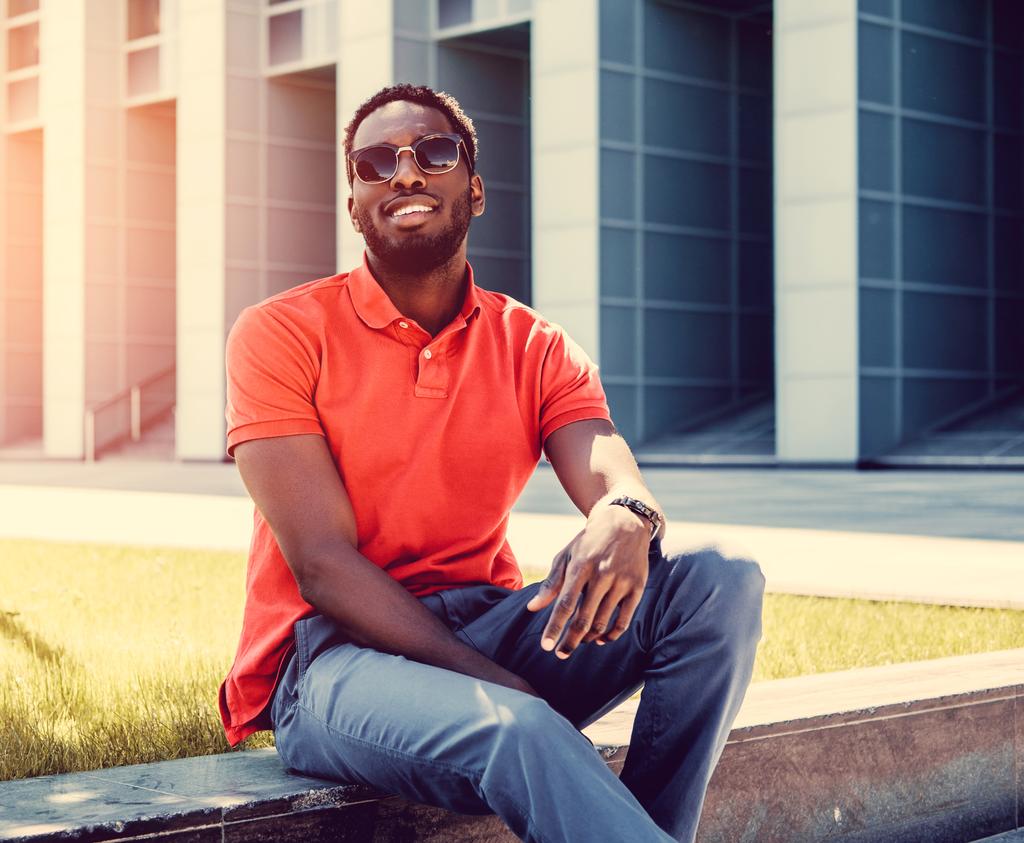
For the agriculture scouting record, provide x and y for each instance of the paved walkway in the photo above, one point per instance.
(942, 537)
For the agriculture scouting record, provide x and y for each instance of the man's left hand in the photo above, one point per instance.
(607, 563)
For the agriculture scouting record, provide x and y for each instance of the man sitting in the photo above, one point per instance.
(384, 421)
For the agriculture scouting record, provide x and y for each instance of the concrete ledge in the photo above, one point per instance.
(931, 751)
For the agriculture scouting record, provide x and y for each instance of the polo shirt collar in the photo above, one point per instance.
(377, 310)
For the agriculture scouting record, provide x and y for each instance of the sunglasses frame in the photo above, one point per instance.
(398, 150)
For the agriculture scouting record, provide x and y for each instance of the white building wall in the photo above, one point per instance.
(365, 64)
(565, 186)
(816, 230)
(201, 226)
(63, 111)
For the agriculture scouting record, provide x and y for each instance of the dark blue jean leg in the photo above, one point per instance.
(702, 635)
(690, 644)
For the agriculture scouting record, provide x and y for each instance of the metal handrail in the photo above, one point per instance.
(134, 395)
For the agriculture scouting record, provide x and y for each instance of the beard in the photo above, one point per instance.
(413, 253)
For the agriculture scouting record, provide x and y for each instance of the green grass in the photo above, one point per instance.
(113, 655)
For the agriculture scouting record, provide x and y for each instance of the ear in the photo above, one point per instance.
(352, 215)
(476, 190)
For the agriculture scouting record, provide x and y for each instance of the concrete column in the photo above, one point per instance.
(201, 227)
(63, 106)
(565, 187)
(365, 64)
(816, 230)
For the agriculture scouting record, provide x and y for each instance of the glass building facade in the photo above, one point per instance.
(789, 233)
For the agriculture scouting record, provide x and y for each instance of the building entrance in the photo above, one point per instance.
(686, 320)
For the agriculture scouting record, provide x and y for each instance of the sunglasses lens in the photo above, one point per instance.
(437, 155)
(376, 164)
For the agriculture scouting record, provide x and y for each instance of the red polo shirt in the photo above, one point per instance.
(434, 439)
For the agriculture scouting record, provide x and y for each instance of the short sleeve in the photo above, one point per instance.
(272, 372)
(570, 387)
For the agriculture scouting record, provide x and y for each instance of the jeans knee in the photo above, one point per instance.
(520, 731)
(732, 588)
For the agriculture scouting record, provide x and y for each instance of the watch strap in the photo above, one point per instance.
(640, 508)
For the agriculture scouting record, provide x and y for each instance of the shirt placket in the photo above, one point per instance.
(432, 372)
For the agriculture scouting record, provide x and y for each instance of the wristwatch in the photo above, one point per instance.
(640, 508)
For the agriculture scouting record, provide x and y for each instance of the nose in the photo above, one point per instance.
(408, 175)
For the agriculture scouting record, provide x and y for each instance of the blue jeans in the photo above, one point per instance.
(439, 737)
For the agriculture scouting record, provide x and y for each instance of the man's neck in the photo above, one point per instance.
(431, 299)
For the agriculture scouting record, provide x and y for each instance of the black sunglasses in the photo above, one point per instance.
(434, 154)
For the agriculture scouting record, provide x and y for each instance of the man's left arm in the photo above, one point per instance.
(606, 562)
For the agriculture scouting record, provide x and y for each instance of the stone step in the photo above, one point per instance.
(1006, 837)
(910, 752)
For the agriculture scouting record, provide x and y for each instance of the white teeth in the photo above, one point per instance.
(408, 209)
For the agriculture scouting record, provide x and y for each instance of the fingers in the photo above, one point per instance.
(563, 609)
(581, 622)
(602, 616)
(625, 614)
(551, 585)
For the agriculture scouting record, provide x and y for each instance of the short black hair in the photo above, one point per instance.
(423, 95)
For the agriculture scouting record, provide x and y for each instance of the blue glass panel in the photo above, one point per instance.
(960, 17)
(944, 331)
(618, 197)
(504, 225)
(617, 31)
(877, 323)
(1008, 90)
(678, 192)
(687, 42)
(756, 274)
(757, 360)
(1009, 233)
(683, 268)
(874, 150)
(942, 77)
(874, 63)
(483, 81)
(943, 162)
(755, 119)
(510, 276)
(618, 340)
(670, 408)
(755, 201)
(876, 240)
(686, 117)
(622, 402)
(503, 151)
(617, 100)
(1009, 172)
(876, 7)
(1008, 23)
(877, 416)
(1010, 336)
(755, 54)
(618, 262)
(943, 247)
(683, 344)
(927, 401)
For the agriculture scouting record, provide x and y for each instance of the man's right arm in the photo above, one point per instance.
(295, 485)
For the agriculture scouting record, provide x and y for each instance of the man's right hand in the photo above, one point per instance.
(297, 488)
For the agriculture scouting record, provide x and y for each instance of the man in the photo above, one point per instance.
(384, 421)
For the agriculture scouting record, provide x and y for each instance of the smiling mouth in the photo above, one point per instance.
(411, 210)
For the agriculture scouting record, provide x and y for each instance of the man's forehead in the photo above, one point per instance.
(399, 122)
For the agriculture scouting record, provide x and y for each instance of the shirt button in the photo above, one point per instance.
(427, 354)
(403, 324)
